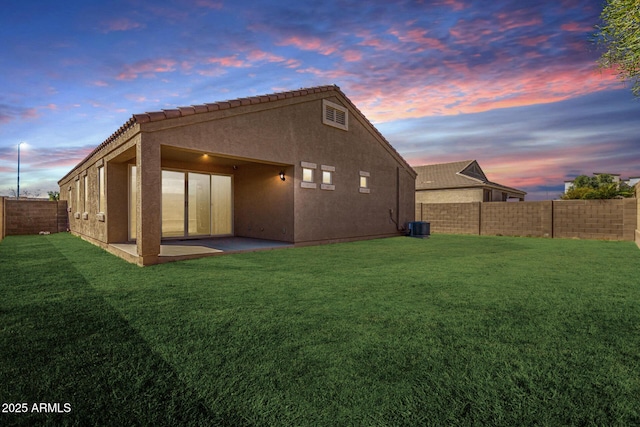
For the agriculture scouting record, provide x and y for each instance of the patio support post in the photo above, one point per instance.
(149, 206)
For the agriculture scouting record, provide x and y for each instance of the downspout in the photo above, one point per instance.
(397, 220)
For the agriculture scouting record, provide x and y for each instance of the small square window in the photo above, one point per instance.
(307, 175)
(327, 177)
(364, 182)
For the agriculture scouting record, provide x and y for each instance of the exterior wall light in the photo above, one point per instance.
(282, 177)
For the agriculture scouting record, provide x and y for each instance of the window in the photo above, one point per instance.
(85, 196)
(70, 199)
(327, 177)
(364, 182)
(101, 190)
(308, 175)
(335, 115)
(85, 185)
(77, 196)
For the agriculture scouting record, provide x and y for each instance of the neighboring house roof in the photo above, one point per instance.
(464, 174)
(234, 103)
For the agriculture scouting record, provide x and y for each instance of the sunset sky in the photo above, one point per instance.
(511, 84)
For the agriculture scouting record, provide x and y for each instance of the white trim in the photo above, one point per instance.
(308, 185)
(309, 165)
(328, 168)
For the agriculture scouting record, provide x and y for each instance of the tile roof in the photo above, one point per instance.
(223, 105)
(462, 174)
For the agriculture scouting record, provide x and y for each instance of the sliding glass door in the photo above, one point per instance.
(196, 204)
(173, 204)
(221, 205)
(199, 204)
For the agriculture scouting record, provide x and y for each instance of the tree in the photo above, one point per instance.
(620, 36)
(601, 186)
(54, 195)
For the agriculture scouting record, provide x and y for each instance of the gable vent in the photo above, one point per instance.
(335, 115)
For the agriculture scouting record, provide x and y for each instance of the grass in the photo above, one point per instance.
(452, 330)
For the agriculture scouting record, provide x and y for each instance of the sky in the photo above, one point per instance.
(512, 84)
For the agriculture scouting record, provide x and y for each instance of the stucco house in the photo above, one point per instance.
(303, 167)
(457, 182)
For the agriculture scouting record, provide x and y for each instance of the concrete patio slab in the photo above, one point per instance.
(193, 248)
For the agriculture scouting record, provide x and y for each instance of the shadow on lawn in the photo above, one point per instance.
(66, 345)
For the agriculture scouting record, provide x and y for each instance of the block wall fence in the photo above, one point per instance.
(32, 216)
(616, 219)
(584, 219)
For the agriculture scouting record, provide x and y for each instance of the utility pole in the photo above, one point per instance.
(18, 191)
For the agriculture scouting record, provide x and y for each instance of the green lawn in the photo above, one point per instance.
(451, 330)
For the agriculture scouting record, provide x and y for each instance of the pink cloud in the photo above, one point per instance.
(527, 171)
(44, 158)
(352, 55)
(463, 92)
(136, 98)
(545, 168)
(576, 27)
(147, 68)
(510, 21)
(330, 75)
(372, 41)
(60, 157)
(29, 113)
(292, 63)
(121, 24)
(418, 36)
(473, 32)
(455, 5)
(228, 61)
(533, 41)
(308, 43)
(9, 113)
(482, 31)
(257, 55)
(211, 72)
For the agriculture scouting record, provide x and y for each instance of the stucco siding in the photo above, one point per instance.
(252, 144)
(263, 204)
